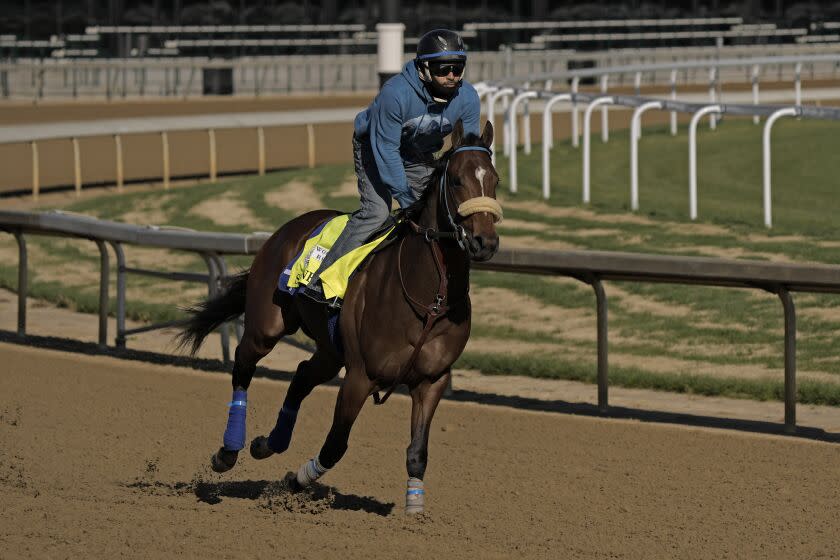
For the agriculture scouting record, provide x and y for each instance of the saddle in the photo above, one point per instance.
(335, 279)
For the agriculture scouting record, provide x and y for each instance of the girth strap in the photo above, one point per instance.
(433, 311)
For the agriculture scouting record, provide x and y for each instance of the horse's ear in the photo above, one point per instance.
(487, 135)
(458, 134)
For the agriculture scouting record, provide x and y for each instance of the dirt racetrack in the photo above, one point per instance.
(106, 458)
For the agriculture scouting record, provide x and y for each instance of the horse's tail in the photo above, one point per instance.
(206, 316)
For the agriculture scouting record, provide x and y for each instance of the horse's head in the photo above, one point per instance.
(468, 193)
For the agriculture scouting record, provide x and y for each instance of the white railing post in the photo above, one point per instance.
(713, 94)
(506, 125)
(674, 98)
(786, 112)
(575, 130)
(635, 134)
(526, 123)
(637, 83)
(798, 83)
(514, 105)
(692, 157)
(491, 114)
(548, 133)
(605, 125)
(755, 71)
(587, 117)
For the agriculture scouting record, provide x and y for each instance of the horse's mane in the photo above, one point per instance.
(413, 211)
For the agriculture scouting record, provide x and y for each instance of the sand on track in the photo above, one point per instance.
(102, 457)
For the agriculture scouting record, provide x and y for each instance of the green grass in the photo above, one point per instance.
(717, 326)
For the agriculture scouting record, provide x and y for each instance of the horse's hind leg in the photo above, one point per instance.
(424, 400)
(351, 397)
(264, 327)
(320, 368)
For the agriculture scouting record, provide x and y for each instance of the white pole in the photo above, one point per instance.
(637, 83)
(673, 97)
(692, 157)
(506, 125)
(389, 50)
(712, 95)
(755, 71)
(514, 105)
(786, 112)
(491, 114)
(798, 83)
(605, 125)
(587, 118)
(488, 93)
(635, 134)
(547, 143)
(526, 122)
(575, 131)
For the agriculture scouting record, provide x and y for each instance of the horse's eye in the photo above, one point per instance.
(456, 181)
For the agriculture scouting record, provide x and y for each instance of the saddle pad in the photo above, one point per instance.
(334, 279)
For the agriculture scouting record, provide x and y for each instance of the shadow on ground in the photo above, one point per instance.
(523, 403)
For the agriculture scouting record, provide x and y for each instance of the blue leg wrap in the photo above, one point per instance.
(234, 439)
(281, 435)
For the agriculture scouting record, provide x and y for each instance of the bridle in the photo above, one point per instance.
(441, 305)
(468, 207)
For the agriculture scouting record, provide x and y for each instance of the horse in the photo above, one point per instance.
(405, 318)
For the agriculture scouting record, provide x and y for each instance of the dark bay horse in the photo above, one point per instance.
(405, 317)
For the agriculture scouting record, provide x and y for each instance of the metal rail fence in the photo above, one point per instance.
(591, 267)
(516, 97)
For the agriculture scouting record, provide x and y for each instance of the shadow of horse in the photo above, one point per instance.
(272, 492)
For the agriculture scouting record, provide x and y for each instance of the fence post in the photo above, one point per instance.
(798, 83)
(36, 180)
(23, 282)
(211, 136)
(692, 157)
(605, 125)
(491, 115)
(786, 112)
(674, 98)
(310, 137)
(635, 134)
(513, 106)
(547, 143)
(587, 117)
(575, 131)
(77, 167)
(713, 95)
(260, 151)
(118, 147)
(164, 137)
(790, 359)
(755, 70)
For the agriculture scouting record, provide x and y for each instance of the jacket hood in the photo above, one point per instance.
(410, 74)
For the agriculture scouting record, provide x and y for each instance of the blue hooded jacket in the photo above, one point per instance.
(406, 125)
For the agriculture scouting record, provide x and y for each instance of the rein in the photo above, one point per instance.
(440, 306)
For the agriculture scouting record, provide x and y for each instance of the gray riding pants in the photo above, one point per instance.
(375, 201)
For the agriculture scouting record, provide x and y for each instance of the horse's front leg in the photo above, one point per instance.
(351, 397)
(424, 400)
(319, 369)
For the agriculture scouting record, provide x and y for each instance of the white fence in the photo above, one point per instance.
(519, 96)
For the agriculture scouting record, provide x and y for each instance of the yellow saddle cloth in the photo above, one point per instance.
(335, 278)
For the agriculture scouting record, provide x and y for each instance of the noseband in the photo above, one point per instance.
(468, 207)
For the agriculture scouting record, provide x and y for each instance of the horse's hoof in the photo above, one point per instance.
(260, 449)
(223, 460)
(292, 482)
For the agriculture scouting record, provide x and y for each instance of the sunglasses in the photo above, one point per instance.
(443, 69)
